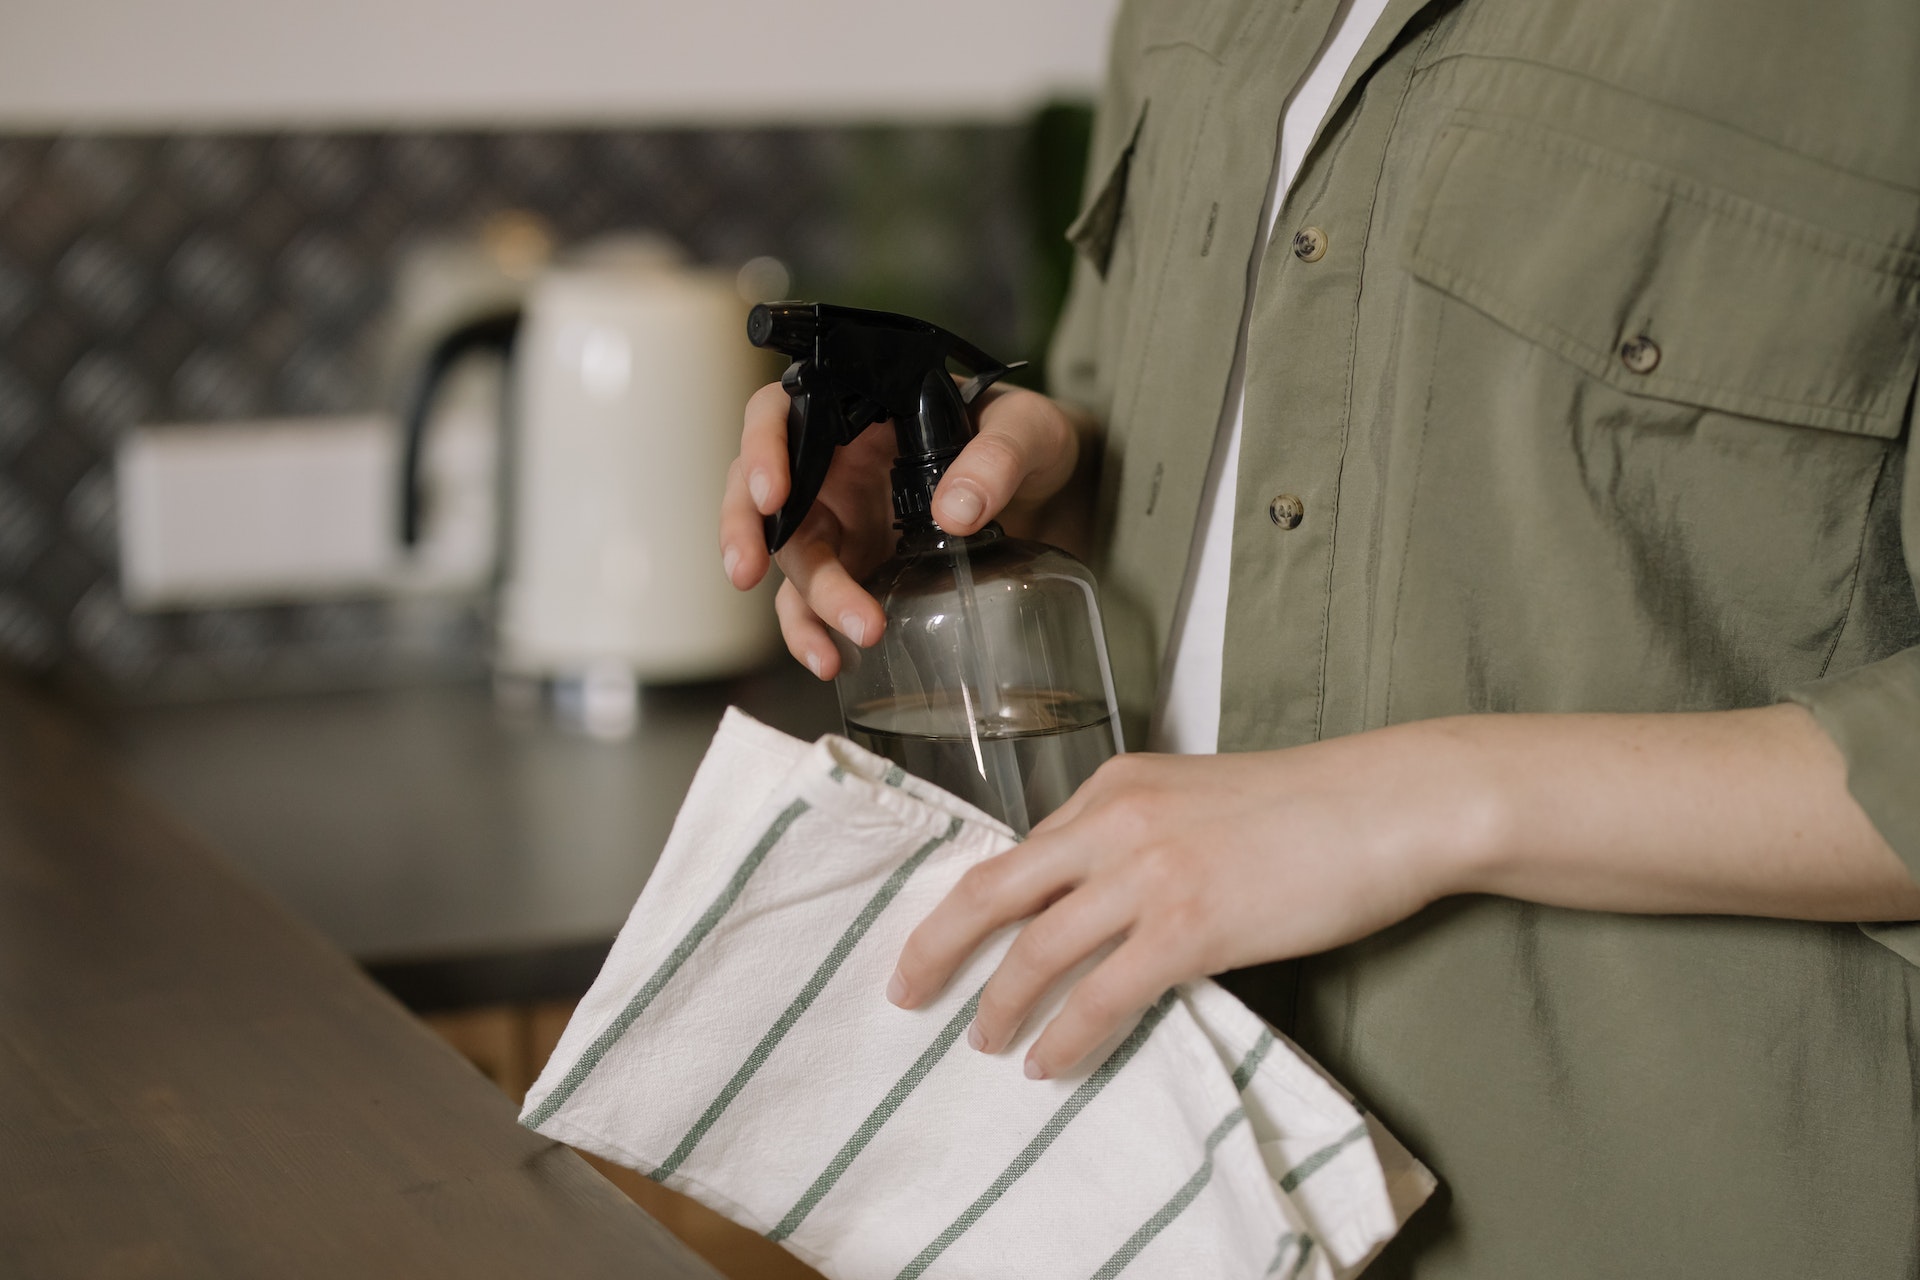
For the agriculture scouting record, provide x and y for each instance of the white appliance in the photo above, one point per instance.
(629, 373)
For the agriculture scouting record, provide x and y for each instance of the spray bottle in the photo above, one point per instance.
(991, 678)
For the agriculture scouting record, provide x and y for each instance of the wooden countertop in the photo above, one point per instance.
(192, 1083)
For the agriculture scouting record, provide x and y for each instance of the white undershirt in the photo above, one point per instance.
(1187, 719)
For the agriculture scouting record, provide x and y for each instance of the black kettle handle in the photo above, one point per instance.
(491, 333)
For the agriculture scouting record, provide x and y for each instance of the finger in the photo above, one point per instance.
(743, 541)
(807, 640)
(756, 485)
(1024, 443)
(811, 561)
(1113, 994)
(1044, 951)
(993, 893)
(763, 448)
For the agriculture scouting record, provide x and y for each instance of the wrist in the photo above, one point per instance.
(1463, 834)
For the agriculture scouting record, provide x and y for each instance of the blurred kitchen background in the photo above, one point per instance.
(217, 213)
(232, 234)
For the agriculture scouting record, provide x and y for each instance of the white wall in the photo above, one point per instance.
(160, 64)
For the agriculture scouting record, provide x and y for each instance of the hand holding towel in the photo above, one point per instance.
(737, 1047)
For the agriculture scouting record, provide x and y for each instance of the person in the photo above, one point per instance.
(1505, 485)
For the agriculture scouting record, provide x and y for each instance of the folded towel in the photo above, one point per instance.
(738, 1047)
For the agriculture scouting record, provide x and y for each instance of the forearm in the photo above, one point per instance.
(1738, 812)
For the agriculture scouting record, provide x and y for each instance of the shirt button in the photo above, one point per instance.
(1309, 244)
(1286, 511)
(1640, 355)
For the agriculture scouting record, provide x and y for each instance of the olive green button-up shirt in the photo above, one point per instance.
(1580, 377)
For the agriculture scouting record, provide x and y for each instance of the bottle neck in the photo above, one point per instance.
(915, 477)
(920, 536)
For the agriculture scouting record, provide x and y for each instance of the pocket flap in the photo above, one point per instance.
(1666, 287)
(1093, 232)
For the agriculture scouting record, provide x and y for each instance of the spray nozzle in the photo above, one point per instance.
(854, 368)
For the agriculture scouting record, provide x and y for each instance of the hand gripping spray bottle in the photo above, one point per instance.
(991, 679)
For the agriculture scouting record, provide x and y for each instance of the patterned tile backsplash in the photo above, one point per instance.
(153, 279)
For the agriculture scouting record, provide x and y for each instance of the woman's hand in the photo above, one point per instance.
(1195, 864)
(1025, 453)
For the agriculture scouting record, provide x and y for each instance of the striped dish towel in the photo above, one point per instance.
(738, 1047)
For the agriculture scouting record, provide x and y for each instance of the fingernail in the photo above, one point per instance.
(853, 627)
(759, 486)
(959, 506)
(728, 562)
(813, 665)
(1034, 1070)
(975, 1038)
(897, 990)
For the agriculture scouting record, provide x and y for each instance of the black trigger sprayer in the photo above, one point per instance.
(991, 677)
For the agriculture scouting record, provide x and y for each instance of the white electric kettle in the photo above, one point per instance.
(629, 370)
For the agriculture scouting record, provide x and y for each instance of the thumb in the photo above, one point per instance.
(1025, 450)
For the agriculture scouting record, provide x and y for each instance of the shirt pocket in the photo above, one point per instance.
(1665, 287)
(1655, 417)
(1094, 231)
(1172, 75)
(1082, 358)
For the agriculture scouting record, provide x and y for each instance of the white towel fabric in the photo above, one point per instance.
(738, 1047)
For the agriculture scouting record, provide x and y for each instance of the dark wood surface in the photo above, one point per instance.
(194, 1084)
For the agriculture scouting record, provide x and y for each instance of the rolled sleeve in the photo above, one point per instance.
(1873, 716)
(1872, 713)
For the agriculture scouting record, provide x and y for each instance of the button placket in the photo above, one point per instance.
(1283, 619)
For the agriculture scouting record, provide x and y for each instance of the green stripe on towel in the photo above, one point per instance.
(804, 1001)
(1312, 1164)
(1073, 1106)
(1174, 1207)
(876, 1118)
(581, 1069)
(1287, 1241)
(1243, 1074)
